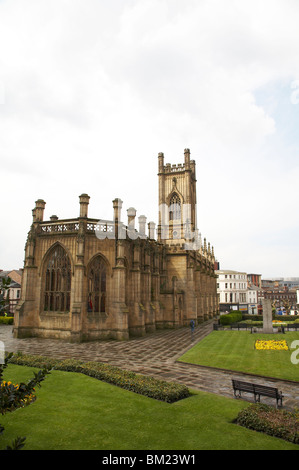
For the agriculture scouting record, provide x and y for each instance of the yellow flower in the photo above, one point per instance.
(271, 344)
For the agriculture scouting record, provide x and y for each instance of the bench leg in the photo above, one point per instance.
(257, 397)
(278, 399)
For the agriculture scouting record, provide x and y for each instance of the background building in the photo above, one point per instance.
(253, 299)
(13, 294)
(254, 280)
(232, 290)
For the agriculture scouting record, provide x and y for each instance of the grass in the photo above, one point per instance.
(234, 350)
(75, 412)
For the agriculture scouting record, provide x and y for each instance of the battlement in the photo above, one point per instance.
(176, 168)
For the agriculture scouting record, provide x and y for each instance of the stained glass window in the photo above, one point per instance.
(97, 286)
(57, 293)
(175, 208)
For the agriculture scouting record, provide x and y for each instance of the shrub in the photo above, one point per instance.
(6, 320)
(14, 396)
(279, 423)
(153, 388)
(230, 318)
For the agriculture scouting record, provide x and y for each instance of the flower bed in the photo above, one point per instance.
(271, 344)
(279, 423)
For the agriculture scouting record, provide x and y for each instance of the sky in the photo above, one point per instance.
(91, 91)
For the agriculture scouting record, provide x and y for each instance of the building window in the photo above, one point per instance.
(97, 286)
(58, 275)
(175, 208)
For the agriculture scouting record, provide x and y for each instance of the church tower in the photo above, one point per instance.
(177, 201)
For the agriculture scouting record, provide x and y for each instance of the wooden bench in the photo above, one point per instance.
(257, 391)
(292, 326)
(239, 326)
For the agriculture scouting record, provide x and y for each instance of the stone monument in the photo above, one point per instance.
(267, 316)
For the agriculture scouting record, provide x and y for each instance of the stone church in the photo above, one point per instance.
(88, 279)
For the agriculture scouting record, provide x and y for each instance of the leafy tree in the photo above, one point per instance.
(4, 294)
(287, 306)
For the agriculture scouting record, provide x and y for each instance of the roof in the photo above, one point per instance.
(4, 273)
(15, 285)
(229, 271)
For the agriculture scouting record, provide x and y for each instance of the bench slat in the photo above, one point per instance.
(264, 389)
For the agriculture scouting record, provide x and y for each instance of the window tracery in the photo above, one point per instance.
(97, 286)
(175, 207)
(57, 283)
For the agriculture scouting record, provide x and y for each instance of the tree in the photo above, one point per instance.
(287, 306)
(4, 294)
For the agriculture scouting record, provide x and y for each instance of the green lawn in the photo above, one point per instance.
(74, 411)
(234, 350)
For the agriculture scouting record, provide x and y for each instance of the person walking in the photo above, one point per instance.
(192, 326)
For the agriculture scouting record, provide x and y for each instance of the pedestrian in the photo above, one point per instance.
(192, 326)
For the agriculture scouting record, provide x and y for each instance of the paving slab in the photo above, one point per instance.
(155, 354)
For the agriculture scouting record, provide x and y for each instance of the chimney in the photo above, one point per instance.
(84, 201)
(131, 223)
(117, 205)
(131, 218)
(151, 230)
(38, 211)
(142, 222)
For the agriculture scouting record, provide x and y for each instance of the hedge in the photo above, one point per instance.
(6, 320)
(275, 422)
(148, 386)
(248, 316)
(291, 318)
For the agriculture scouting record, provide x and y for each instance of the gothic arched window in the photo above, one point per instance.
(175, 208)
(57, 293)
(97, 286)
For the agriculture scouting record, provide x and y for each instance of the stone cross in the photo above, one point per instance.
(267, 316)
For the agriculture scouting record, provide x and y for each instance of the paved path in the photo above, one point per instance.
(155, 355)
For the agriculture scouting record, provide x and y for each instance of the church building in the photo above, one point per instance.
(90, 279)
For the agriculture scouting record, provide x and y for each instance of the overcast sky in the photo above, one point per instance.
(91, 91)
